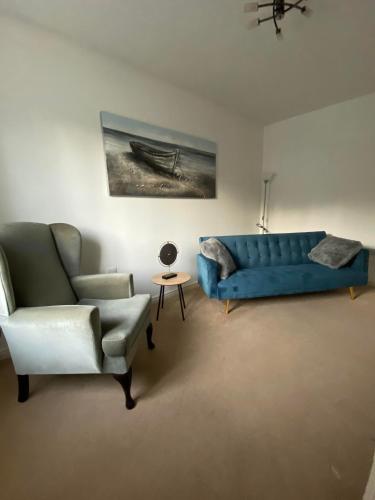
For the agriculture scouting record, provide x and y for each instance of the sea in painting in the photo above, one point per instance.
(146, 160)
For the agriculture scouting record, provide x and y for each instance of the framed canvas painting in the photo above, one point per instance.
(146, 160)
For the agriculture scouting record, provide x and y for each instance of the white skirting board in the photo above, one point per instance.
(171, 289)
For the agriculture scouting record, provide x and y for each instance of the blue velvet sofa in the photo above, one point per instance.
(276, 264)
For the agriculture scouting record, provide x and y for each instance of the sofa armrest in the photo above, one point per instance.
(208, 272)
(360, 261)
(54, 339)
(103, 286)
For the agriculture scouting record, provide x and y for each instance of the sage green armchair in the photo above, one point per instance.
(56, 321)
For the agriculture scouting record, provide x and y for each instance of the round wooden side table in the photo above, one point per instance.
(178, 281)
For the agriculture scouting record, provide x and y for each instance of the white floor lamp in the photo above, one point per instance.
(267, 179)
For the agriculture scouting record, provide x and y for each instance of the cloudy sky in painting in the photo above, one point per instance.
(136, 127)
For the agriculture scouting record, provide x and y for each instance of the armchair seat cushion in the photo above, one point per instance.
(122, 321)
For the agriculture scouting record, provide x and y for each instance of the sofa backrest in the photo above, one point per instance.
(263, 250)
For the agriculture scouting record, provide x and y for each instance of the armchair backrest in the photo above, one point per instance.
(69, 243)
(7, 300)
(35, 268)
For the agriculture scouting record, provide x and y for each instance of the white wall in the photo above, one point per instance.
(52, 164)
(52, 161)
(324, 163)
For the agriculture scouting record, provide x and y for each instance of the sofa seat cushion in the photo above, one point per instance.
(281, 280)
(122, 321)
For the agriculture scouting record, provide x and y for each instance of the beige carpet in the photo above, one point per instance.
(275, 401)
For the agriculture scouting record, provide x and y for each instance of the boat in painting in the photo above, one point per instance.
(156, 158)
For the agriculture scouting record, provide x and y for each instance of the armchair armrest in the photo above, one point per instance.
(103, 286)
(360, 261)
(54, 339)
(208, 272)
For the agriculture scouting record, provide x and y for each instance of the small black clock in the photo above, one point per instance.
(167, 257)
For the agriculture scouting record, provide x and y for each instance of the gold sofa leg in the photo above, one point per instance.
(227, 306)
(352, 293)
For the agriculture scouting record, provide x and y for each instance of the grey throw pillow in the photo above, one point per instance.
(334, 252)
(215, 250)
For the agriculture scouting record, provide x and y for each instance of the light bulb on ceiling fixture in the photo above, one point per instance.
(254, 23)
(251, 7)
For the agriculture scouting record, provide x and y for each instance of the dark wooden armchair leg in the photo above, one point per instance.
(150, 343)
(23, 388)
(125, 380)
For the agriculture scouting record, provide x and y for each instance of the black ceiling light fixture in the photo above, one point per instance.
(279, 9)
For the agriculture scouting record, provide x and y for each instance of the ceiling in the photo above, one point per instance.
(205, 46)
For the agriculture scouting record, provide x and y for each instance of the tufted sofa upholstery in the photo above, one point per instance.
(276, 264)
